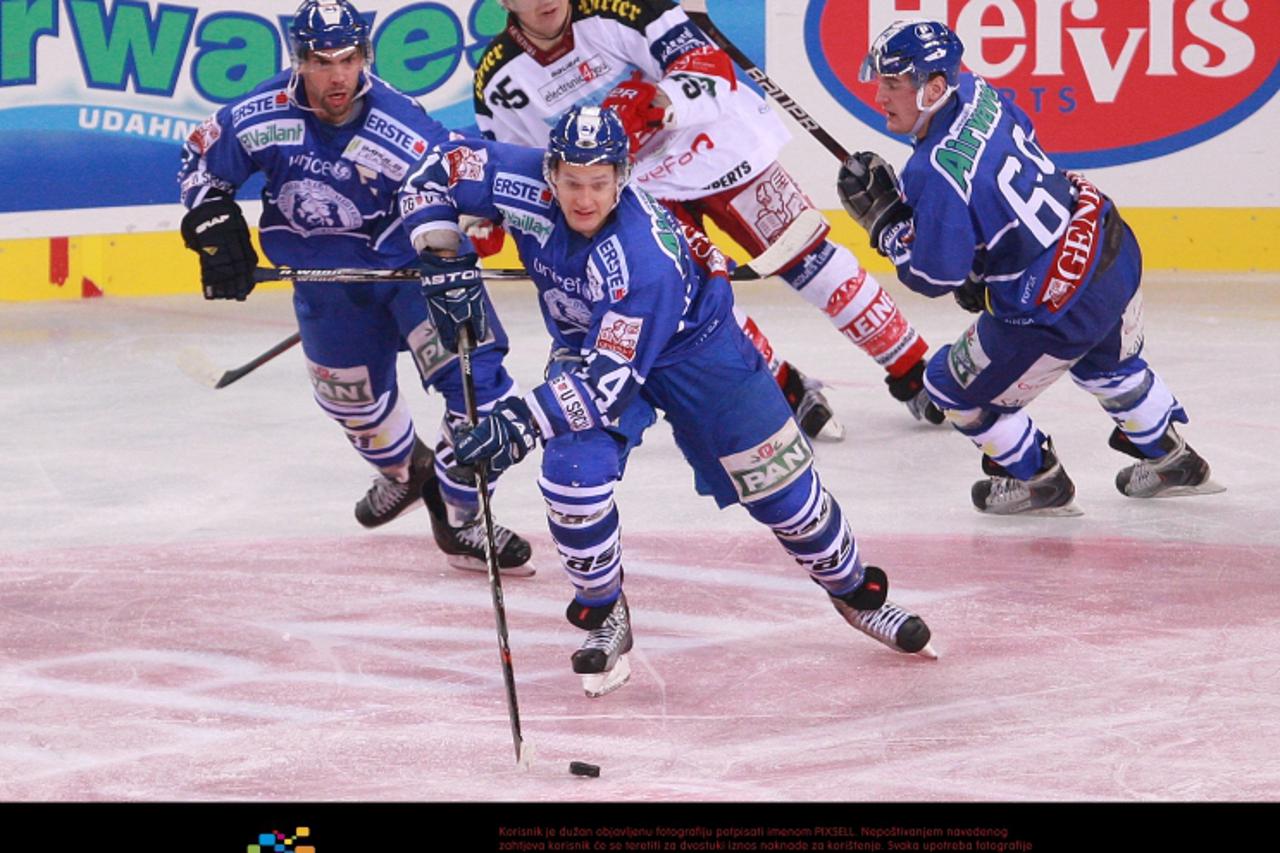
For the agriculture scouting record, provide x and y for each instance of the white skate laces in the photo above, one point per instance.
(464, 548)
(602, 659)
(894, 626)
(1049, 492)
(389, 498)
(386, 493)
(1181, 471)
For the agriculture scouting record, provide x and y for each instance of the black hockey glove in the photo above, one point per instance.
(868, 189)
(454, 290)
(972, 295)
(217, 232)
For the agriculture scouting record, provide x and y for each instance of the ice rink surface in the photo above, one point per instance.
(190, 612)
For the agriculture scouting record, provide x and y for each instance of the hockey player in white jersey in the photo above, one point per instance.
(334, 143)
(637, 327)
(1042, 255)
(706, 145)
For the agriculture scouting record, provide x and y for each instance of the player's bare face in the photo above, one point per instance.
(587, 195)
(330, 79)
(541, 20)
(896, 98)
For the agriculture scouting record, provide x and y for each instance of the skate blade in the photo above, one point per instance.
(1208, 487)
(598, 684)
(831, 431)
(475, 565)
(1066, 511)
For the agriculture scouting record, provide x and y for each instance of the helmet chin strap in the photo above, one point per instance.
(295, 80)
(926, 112)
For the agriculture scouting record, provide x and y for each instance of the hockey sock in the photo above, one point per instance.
(1141, 405)
(584, 525)
(1010, 441)
(811, 527)
(381, 432)
(830, 278)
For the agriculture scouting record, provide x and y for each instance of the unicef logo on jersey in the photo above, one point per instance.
(316, 208)
(307, 164)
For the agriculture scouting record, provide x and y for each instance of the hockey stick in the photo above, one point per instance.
(805, 230)
(361, 276)
(697, 12)
(524, 752)
(197, 365)
(798, 235)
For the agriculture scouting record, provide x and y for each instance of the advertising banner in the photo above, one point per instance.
(1105, 83)
(1170, 104)
(96, 98)
(1173, 100)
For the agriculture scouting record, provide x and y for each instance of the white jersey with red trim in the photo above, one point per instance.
(722, 133)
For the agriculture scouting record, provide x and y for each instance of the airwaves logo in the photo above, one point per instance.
(956, 156)
(1104, 83)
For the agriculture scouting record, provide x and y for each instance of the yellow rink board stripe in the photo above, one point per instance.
(1226, 239)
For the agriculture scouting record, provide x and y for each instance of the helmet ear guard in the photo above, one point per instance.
(588, 136)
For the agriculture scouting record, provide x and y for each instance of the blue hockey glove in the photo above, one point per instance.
(868, 189)
(454, 290)
(503, 438)
(218, 233)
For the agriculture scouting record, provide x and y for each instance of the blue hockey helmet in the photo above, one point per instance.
(919, 49)
(328, 26)
(588, 136)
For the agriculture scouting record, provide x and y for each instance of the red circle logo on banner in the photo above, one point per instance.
(1104, 83)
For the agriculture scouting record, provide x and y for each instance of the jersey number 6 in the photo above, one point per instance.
(1032, 204)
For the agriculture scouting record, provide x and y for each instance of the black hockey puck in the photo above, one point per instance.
(582, 768)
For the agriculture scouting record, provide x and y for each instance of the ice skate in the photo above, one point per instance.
(602, 660)
(1181, 471)
(868, 609)
(810, 405)
(464, 544)
(388, 498)
(908, 389)
(1049, 492)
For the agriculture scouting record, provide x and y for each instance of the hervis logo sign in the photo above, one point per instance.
(1105, 81)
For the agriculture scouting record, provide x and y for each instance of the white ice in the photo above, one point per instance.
(191, 613)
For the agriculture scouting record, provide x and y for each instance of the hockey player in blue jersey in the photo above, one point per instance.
(334, 144)
(1042, 255)
(636, 327)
